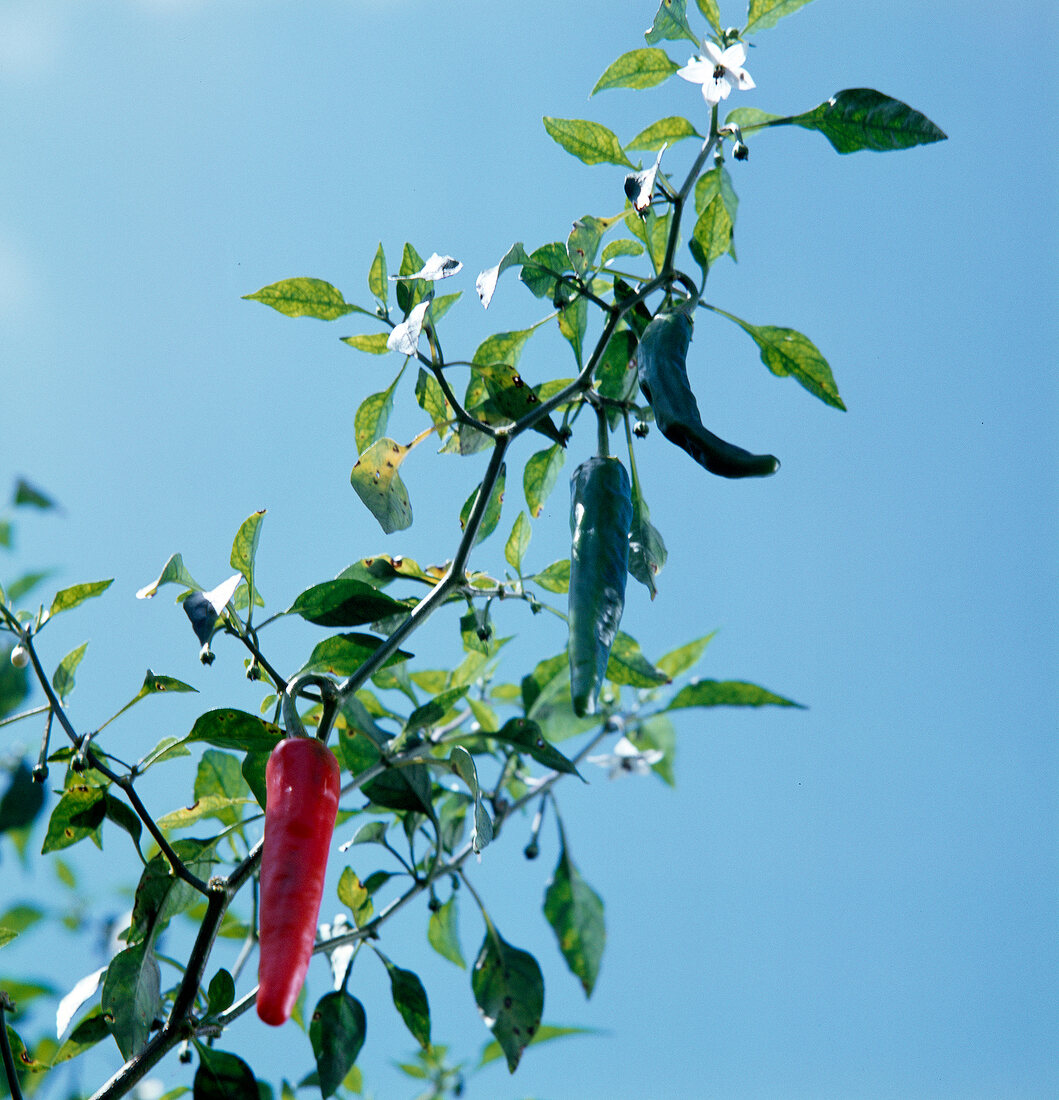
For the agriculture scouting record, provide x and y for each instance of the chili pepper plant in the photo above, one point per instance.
(426, 767)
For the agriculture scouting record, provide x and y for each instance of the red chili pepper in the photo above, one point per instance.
(302, 784)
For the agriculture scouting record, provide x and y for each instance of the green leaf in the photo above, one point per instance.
(304, 297)
(503, 347)
(226, 728)
(622, 247)
(90, 1031)
(546, 674)
(160, 895)
(787, 352)
(749, 119)
(430, 714)
(402, 788)
(491, 516)
(6, 935)
(443, 933)
(556, 577)
(509, 991)
(665, 131)
(573, 323)
(431, 399)
(540, 271)
(244, 550)
(29, 494)
(19, 918)
(463, 765)
(79, 813)
(131, 998)
(21, 802)
(336, 1031)
(862, 118)
(657, 732)
(157, 684)
(377, 481)
(344, 603)
(440, 306)
(763, 14)
(575, 912)
(373, 414)
(671, 23)
(712, 236)
(343, 654)
(63, 678)
(540, 475)
(374, 343)
(223, 1076)
(173, 572)
(518, 542)
(410, 1000)
(220, 776)
(583, 242)
(410, 291)
(656, 238)
(716, 182)
(627, 665)
(526, 736)
(22, 1057)
(26, 583)
(67, 598)
(590, 142)
(491, 1051)
(221, 993)
(647, 550)
(713, 16)
(124, 817)
(642, 68)
(616, 374)
(726, 693)
(510, 397)
(377, 281)
(355, 897)
(684, 657)
(14, 683)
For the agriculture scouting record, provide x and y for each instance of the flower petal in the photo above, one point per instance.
(697, 71)
(715, 90)
(715, 54)
(733, 57)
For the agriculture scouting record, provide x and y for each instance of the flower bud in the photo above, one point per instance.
(20, 656)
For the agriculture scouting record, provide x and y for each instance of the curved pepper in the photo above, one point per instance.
(661, 360)
(600, 518)
(302, 783)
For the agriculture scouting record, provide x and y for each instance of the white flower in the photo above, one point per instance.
(718, 71)
(626, 757)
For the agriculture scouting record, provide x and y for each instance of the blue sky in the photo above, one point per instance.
(854, 900)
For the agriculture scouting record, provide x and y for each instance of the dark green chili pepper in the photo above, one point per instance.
(661, 360)
(600, 518)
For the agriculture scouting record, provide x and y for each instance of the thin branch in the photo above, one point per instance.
(5, 1050)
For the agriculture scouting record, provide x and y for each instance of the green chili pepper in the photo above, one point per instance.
(600, 518)
(661, 360)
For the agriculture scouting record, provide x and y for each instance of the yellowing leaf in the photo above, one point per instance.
(377, 482)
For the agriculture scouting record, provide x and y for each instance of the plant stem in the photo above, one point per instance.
(5, 1051)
